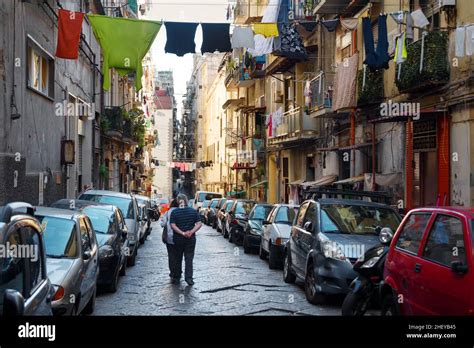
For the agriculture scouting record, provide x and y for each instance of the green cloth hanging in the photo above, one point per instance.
(124, 43)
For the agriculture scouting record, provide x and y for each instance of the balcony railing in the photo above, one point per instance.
(295, 125)
(303, 10)
(113, 122)
(322, 88)
(370, 88)
(434, 70)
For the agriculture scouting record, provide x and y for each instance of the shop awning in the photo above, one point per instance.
(261, 183)
(233, 103)
(323, 181)
(352, 180)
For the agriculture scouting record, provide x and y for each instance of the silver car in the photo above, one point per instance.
(276, 232)
(72, 257)
(128, 205)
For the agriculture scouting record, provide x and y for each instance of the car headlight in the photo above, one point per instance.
(255, 231)
(106, 251)
(333, 250)
(371, 262)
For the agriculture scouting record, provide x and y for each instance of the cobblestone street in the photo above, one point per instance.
(228, 282)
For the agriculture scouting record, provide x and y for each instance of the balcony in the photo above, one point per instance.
(435, 70)
(302, 10)
(112, 124)
(128, 136)
(370, 91)
(249, 11)
(296, 126)
(239, 77)
(330, 7)
(322, 88)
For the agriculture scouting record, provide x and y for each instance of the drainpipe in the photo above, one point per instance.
(374, 162)
(352, 141)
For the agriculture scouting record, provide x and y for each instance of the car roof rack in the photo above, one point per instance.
(379, 196)
(12, 209)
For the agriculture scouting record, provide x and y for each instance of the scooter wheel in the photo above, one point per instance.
(353, 305)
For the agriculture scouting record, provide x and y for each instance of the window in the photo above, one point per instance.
(12, 269)
(85, 238)
(60, 237)
(310, 216)
(301, 212)
(412, 233)
(244, 207)
(285, 167)
(32, 240)
(445, 243)
(90, 232)
(40, 69)
(286, 215)
(120, 220)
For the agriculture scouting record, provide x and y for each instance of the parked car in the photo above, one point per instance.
(149, 212)
(328, 237)
(253, 227)
(202, 196)
(191, 203)
(142, 222)
(72, 256)
(111, 233)
(276, 232)
(223, 216)
(25, 288)
(202, 211)
(215, 214)
(129, 208)
(237, 218)
(73, 204)
(220, 214)
(211, 211)
(429, 267)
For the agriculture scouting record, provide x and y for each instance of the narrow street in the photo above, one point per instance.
(228, 282)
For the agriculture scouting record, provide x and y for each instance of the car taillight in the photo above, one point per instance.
(59, 294)
(234, 222)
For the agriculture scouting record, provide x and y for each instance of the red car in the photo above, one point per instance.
(430, 265)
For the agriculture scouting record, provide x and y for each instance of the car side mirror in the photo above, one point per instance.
(459, 267)
(308, 226)
(86, 255)
(386, 235)
(266, 222)
(124, 234)
(13, 303)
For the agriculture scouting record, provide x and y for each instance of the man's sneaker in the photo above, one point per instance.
(190, 282)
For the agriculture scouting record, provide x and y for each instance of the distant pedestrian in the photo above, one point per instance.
(185, 222)
(168, 237)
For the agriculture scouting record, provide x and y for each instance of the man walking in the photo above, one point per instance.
(185, 222)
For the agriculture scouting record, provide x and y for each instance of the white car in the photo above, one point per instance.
(202, 196)
(276, 232)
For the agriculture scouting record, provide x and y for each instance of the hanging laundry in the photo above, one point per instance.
(290, 44)
(330, 25)
(469, 40)
(124, 43)
(419, 19)
(459, 39)
(308, 26)
(345, 83)
(350, 23)
(242, 37)
(270, 125)
(265, 29)
(215, 37)
(376, 58)
(401, 49)
(180, 38)
(392, 40)
(307, 93)
(69, 34)
(264, 45)
(397, 16)
(409, 29)
(228, 12)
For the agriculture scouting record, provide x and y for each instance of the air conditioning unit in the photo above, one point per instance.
(447, 3)
(278, 96)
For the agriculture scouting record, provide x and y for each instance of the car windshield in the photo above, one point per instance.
(100, 218)
(260, 212)
(60, 239)
(244, 207)
(214, 204)
(357, 219)
(205, 204)
(142, 201)
(124, 204)
(286, 215)
(228, 205)
(204, 196)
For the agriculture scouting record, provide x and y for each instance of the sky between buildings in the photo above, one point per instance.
(206, 11)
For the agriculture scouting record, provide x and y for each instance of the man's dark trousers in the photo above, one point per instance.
(182, 247)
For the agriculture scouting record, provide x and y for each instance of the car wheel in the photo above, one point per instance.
(112, 288)
(288, 275)
(89, 308)
(226, 234)
(262, 253)
(273, 262)
(390, 306)
(123, 269)
(214, 224)
(231, 236)
(312, 295)
(132, 259)
(247, 248)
